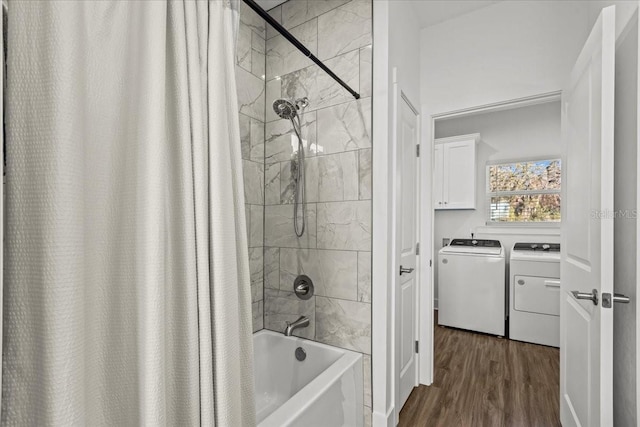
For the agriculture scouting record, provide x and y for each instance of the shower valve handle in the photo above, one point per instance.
(302, 288)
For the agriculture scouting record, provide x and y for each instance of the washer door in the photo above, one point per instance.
(537, 295)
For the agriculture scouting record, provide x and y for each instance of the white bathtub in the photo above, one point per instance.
(323, 390)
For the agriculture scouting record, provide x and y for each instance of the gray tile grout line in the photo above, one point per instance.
(318, 156)
(323, 13)
(322, 342)
(264, 169)
(317, 249)
(267, 79)
(319, 201)
(320, 249)
(357, 171)
(358, 276)
(291, 293)
(318, 48)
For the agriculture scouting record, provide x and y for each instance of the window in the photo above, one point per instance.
(524, 192)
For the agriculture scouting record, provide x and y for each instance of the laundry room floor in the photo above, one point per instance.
(482, 380)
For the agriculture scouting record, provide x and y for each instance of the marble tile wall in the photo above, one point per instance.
(250, 78)
(335, 251)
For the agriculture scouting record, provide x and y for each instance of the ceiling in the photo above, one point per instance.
(430, 12)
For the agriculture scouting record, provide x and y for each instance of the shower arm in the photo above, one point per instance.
(294, 41)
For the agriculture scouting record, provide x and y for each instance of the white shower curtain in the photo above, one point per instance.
(127, 298)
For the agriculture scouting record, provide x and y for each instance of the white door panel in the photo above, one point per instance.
(586, 328)
(459, 158)
(576, 396)
(407, 319)
(408, 223)
(438, 178)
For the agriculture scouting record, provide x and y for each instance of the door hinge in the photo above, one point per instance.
(417, 347)
(430, 263)
(418, 248)
(417, 150)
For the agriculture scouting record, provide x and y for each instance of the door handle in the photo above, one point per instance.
(405, 270)
(606, 299)
(593, 295)
(623, 299)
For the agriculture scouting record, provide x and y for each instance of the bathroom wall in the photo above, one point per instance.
(250, 69)
(522, 133)
(335, 250)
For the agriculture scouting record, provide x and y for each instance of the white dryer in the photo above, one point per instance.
(534, 293)
(471, 286)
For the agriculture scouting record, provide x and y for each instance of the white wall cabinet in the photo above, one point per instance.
(454, 181)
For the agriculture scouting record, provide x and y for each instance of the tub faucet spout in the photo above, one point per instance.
(302, 322)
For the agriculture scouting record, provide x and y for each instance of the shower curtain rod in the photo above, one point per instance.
(294, 41)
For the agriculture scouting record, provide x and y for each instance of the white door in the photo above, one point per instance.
(586, 327)
(406, 239)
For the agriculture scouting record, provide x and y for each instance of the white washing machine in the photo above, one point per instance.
(534, 293)
(471, 286)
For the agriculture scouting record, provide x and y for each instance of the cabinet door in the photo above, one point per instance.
(460, 175)
(438, 177)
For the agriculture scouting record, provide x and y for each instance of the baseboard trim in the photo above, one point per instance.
(383, 420)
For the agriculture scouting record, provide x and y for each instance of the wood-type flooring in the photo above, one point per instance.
(482, 380)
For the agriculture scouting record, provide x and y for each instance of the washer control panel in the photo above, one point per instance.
(476, 243)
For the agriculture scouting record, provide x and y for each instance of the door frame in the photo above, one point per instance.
(383, 322)
(636, 16)
(400, 95)
(426, 226)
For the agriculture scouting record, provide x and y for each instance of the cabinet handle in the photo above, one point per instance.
(439, 203)
(445, 203)
(552, 283)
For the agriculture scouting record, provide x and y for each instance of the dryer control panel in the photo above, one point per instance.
(545, 247)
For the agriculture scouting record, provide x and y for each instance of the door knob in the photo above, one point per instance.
(593, 295)
(405, 270)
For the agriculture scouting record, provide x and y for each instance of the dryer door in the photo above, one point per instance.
(537, 295)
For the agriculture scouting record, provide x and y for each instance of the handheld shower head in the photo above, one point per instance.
(288, 110)
(285, 109)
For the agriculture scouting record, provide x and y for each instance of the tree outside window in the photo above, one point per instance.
(524, 192)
